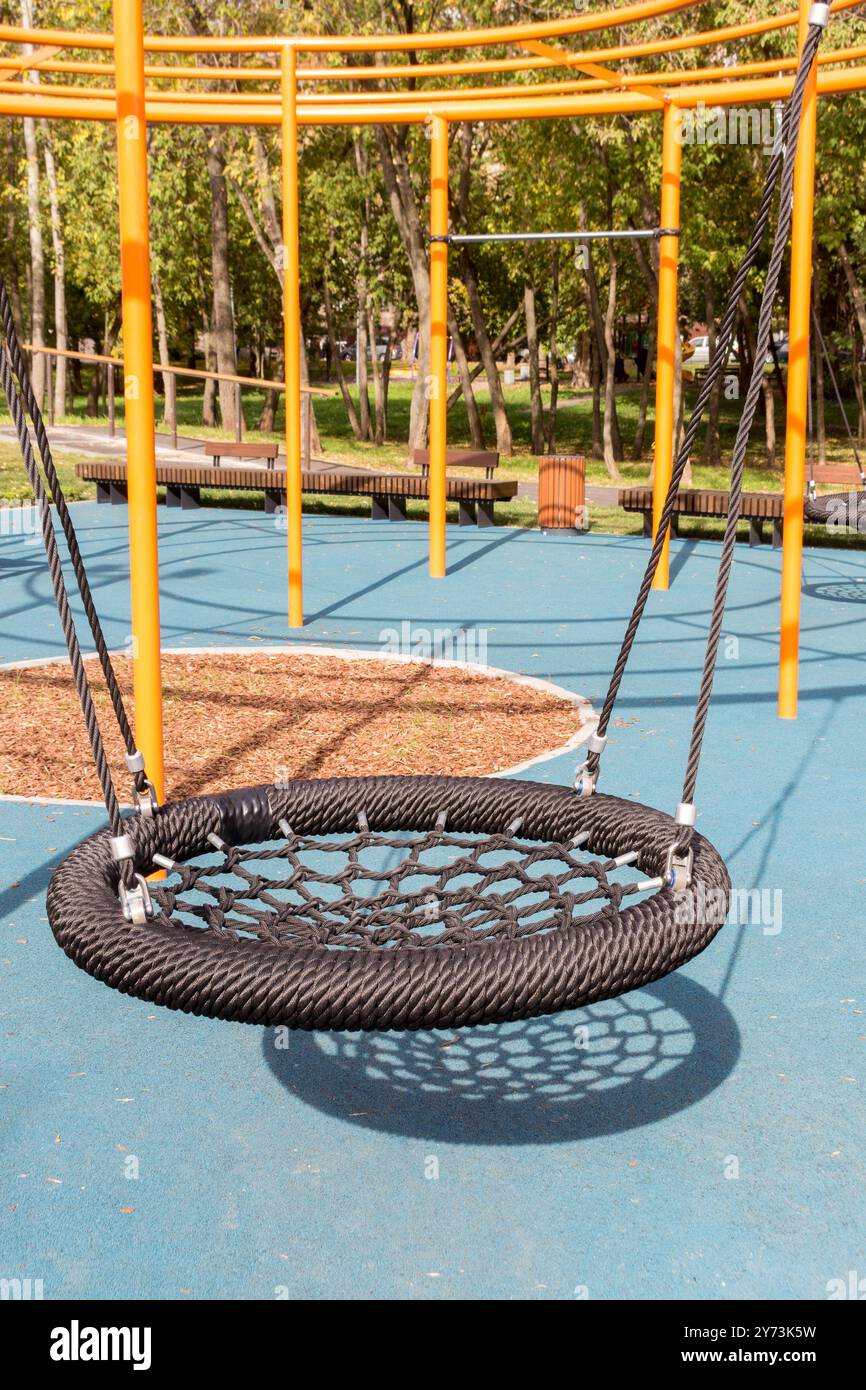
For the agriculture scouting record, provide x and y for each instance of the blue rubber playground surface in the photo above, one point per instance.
(702, 1138)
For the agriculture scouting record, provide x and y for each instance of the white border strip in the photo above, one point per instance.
(583, 706)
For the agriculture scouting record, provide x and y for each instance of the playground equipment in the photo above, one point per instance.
(835, 507)
(601, 91)
(402, 902)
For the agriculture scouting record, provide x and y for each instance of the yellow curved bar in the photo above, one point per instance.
(373, 73)
(369, 72)
(363, 43)
(649, 48)
(835, 82)
(623, 81)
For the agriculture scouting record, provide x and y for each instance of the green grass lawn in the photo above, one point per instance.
(574, 435)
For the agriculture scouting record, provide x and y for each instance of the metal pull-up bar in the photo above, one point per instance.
(630, 234)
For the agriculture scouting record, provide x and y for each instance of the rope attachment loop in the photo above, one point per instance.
(679, 864)
(586, 776)
(135, 900)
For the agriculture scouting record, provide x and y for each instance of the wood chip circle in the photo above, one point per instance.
(238, 719)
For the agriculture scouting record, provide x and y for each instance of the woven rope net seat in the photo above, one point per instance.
(403, 902)
(841, 510)
(391, 902)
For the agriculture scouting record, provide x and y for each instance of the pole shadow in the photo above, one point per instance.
(615, 1066)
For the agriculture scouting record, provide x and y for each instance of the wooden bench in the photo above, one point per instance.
(470, 509)
(219, 449)
(756, 508)
(833, 474)
(388, 492)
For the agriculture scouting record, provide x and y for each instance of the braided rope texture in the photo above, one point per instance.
(219, 974)
(841, 510)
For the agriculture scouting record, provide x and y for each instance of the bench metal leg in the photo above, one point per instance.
(117, 493)
(396, 509)
(189, 497)
(275, 501)
(172, 495)
(485, 513)
(379, 507)
(778, 530)
(103, 492)
(466, 513)
(647, 526)
(756, 532)
(674, 528)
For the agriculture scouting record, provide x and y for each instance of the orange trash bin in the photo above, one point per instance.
(562, 492)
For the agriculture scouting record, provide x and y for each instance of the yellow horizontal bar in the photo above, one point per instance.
(603, 103)
(415, 71)
(627, 82)
(363, 43)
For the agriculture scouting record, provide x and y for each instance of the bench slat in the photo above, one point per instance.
(322, 481)
(221, 448)
(709, 502)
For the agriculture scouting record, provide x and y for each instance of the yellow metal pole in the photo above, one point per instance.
(668, 328)
(438, 390)
(138, 384)
(798, 389)
(292, 330)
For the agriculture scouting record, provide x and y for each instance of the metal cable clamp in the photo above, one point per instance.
(584, 779)
(679, 864)
(136, 901)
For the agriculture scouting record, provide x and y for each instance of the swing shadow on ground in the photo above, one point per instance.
(615, 1066)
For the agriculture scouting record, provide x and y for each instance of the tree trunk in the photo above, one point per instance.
(766, 383)
(169, 408)
(476, 430)
(396, 175)
(208, 405)
(486, 350)
(581, 372)
(60, 325)
(595, 373)
(600, 330)
(37, 250)
(504, 442)
(854, 288)
(268, 418)
(313, 445)
(223, 318)
(113, 320)
(820, 413)
(612, 444)
(12, 226)
(643, 405)
(362, 376)
(552, 349)
(377, 369)
(348, 403)
(536, 409)
(712, 442)
(858, 386)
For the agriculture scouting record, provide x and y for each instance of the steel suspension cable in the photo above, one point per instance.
(820, 336)
(61, 597)
(765, 323)
(781, 166)
(55, 490)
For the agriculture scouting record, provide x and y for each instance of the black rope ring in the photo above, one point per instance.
(478, 977)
